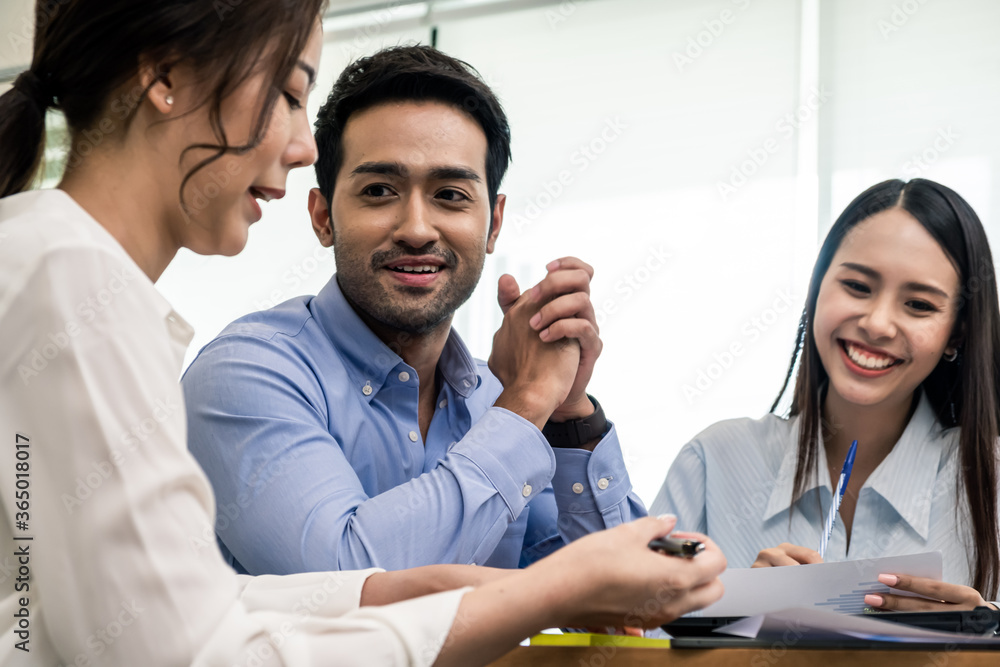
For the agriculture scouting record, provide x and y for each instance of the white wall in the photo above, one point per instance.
(664, 134)
(17, 18)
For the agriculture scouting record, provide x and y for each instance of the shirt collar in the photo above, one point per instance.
(905, 479)
(369, 360)
(181, 333)
(911, 466)
(781, 493)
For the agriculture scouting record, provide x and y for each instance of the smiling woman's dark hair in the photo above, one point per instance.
(87, 54)
(963, 393)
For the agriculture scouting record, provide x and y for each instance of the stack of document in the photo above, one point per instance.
(815, 603)
(793, 625)
(839, 587)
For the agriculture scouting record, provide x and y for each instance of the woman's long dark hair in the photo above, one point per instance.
(963, 393)
(86, 51)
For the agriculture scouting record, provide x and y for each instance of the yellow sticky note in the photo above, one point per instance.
(590, 639)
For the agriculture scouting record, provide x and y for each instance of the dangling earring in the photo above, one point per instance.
(951, 357)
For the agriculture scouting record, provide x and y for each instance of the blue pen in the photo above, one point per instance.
(838, 496)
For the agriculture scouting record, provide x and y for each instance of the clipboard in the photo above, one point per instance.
(979, 621)
(722, 641)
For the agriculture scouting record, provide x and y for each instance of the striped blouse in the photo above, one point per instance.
(734, 483)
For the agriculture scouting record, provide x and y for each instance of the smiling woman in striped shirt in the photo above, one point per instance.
(898, 348)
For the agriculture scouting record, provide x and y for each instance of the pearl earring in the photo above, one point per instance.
(169, 100)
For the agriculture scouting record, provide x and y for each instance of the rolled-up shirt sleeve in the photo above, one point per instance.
(290, 500)
(590, 491)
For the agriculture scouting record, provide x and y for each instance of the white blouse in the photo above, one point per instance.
(108, 547)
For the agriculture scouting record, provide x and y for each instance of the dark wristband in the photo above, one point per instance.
(575, 433)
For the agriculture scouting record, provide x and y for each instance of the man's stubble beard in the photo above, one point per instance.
(357, 277)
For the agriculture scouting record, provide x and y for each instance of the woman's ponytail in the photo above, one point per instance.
(22, 132)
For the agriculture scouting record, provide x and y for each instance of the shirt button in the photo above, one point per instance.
(367, 389)
(602, 483)
(526, 491)
(404, 377)
(413, 436)
(578, 488)
(443, 404)
(466, 383)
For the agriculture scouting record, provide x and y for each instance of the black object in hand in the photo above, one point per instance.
(674, 547)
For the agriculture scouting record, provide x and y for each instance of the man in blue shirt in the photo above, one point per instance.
(354, 429)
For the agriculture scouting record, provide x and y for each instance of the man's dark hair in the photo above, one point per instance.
(404, 73)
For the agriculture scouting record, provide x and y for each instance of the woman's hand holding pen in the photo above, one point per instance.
(936, 595)
(786, 554)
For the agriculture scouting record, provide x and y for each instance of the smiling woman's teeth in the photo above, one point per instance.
(863, 360)
(417, 269)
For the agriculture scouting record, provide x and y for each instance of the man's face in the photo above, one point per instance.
(411, 213)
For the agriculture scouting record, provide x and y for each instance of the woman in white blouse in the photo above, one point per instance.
(898, 348)
(182, 115)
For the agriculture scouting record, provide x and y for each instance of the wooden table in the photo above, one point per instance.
(602, 656)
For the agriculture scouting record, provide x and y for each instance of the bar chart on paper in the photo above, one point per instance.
(839, 587)
(853, 602)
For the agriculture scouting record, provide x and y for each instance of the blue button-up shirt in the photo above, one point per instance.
(307, 426)
(734, 482)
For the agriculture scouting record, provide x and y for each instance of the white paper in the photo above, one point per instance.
(789, 625)
(838, 587)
